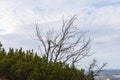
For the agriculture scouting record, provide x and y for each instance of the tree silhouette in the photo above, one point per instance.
(0, 45)
(69, 45)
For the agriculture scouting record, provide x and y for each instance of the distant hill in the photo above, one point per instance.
(109, 74)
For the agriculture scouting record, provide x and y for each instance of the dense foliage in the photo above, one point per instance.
(26, 65)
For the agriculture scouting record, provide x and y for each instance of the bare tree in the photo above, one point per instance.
(0, 45)
(69, 45)
(91, 72)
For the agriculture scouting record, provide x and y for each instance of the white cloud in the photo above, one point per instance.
(108, 16)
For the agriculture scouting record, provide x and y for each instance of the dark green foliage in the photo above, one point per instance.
(21, 65)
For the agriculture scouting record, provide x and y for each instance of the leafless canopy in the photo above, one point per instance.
(0, 45)
(69, 45)
(97, 71)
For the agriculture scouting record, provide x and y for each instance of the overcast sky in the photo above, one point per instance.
(100, 17)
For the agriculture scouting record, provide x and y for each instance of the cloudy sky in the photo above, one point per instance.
(100, 17)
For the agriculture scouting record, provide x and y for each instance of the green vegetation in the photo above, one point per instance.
(27, 65)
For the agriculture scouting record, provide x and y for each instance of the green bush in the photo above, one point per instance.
(21, 65)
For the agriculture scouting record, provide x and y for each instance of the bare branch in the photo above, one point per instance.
(66, 46)
(99, 70)
(92, 66)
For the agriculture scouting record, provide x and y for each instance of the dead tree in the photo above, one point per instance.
(92, 72)
(68, 45)
(0, 45)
